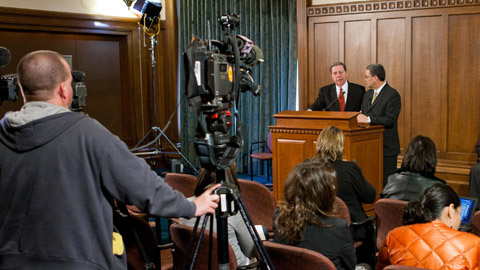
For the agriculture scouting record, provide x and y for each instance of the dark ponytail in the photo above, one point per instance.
(430, 205)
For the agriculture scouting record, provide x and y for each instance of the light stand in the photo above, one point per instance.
(150, 21)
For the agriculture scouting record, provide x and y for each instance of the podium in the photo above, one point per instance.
(295, 137)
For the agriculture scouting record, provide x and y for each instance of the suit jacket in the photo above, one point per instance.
(328, 94)
(384, 111)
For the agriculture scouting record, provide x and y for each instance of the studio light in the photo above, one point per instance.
(149, 13)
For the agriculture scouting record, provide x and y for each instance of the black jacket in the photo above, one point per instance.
(353, 188)
(333, 241)
(408, 186)
(384, 111)
(328, 94)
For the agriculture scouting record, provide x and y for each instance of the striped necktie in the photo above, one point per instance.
(374, 96)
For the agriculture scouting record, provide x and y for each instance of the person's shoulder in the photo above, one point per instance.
(389, 88)
(335, 222)
(345, 164)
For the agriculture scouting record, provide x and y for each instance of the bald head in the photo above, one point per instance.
(40, 73)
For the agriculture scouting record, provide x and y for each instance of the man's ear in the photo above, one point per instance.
(61, 90)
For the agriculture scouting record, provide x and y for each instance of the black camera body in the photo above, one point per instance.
(8, 88)
(79, 91)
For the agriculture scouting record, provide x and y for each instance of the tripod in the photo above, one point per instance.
(230, 203)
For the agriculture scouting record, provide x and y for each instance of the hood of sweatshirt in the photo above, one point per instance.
(33, 134)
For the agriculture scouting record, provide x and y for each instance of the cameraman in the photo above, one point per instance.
(58, 171)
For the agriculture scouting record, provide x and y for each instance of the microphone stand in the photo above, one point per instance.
(331, 103)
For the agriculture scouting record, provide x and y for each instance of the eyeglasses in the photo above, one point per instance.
(366, 77)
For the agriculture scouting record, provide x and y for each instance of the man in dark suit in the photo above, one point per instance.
(381, 106)
(340, 95)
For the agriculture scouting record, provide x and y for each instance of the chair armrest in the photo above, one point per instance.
(255, 143)
(368, 220)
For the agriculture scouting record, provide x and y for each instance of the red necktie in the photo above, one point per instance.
(341, 100)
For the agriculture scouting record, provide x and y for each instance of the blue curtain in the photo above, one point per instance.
(272, 25)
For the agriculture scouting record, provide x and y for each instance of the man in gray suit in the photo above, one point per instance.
(381, 106)
(341, 95)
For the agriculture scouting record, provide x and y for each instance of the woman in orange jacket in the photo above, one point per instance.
(431, 238)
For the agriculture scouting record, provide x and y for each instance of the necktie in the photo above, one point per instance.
(374, 96)
(341, 100)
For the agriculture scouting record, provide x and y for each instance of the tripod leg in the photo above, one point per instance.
(222, 232)
(202, 231)
(253, 232)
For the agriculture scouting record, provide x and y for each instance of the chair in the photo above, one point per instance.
(389, 214)
(259, 202)
(181, 236)
(475, 223)
(263, 156)
(185, 183)
(285, 257)
(146, 237)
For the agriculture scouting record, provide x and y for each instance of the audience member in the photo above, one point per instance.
(416, 173)
(341, 95)
(307, 218)
(431, 238)
(58, 172)
(474, 177)
(353, 188)
(238, 236)
(381, 106)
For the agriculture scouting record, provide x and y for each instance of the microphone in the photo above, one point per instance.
(251, 54)
(331, 103)
(5, 56)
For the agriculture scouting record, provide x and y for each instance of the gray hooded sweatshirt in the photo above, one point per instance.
(58, 170)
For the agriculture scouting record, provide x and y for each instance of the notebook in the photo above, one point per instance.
(468, 209)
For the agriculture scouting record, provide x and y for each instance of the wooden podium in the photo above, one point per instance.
(295, 136)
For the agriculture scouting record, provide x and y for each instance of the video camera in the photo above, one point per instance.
(214, 78)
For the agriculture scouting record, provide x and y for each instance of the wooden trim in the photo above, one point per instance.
(369, 7)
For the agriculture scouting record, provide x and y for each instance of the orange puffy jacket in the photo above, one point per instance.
(430, 245)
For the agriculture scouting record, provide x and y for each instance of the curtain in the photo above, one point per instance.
(272, 25)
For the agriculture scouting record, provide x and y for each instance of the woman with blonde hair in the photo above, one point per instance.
(353, 188)
(307, 218)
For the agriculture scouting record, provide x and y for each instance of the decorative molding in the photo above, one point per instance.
(295, 131)
(369, 7)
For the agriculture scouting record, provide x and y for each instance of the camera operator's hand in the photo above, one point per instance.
(207, 202)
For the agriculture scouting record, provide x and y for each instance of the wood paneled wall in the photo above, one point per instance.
(430, 50)
(111, 52)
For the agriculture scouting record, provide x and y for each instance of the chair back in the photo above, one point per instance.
(475, 223)
(389, 214)
(125, 226)
(342, 210)
(270, 142)
(259, 202)
(285, 257)
(181, 236)
(185, 183)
